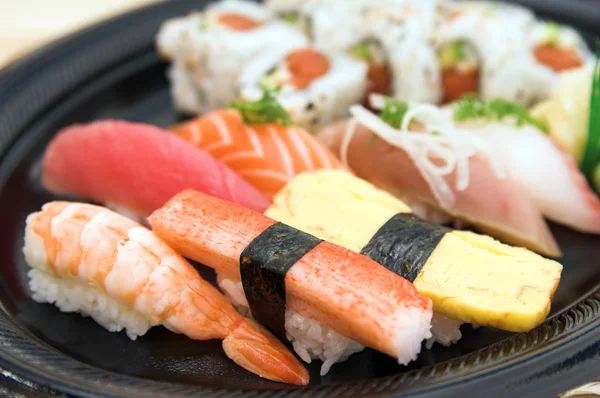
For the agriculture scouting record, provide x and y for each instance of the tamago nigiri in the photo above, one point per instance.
(137, 167)
(256, 139)
(86, 258)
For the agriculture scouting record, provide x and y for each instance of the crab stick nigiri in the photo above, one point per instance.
(267, 155)
(137, 167)
(314, 282)
(441, 167)
(88, 259)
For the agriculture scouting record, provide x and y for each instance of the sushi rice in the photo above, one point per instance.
(71, 296)
(311, 340)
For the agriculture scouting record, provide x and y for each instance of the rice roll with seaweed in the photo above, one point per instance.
(314, 87)
(209, 49)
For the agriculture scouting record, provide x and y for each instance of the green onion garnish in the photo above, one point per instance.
(552, 33)
(265, 110)
(393, 112)
(361, 50)
(453, 54)
(496, 109)
(591, 156)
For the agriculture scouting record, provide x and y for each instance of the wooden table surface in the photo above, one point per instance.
(22, 31)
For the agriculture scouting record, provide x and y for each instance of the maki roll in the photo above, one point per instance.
(313, 87)
(481, 48)
(469, 277)
(558, 47)
(209, 49)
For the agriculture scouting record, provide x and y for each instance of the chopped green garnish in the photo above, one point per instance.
(291, 17)
(269, 83)
(361, 50)
(453, 54)
(393, 112)
(496, 109)
(552, 33)
(265, 110)
(591, 155)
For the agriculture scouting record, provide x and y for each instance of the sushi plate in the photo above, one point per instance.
(112, 71)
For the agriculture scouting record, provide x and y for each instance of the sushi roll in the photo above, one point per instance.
(558, 47)
(88, 259)
(415, 68)
(209, 49)
(297, 285)
(469, 277)
(481, 48)
(314, 87)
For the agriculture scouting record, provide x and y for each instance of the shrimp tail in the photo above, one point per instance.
(255, 349)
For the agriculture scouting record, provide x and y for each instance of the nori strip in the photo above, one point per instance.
(404, 243)
(263, 266)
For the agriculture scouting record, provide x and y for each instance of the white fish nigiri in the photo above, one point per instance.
(548, 173)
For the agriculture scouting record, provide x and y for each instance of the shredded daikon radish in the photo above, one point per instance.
(436, 153)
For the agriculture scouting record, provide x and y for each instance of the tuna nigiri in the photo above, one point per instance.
(268, 155)
(549, 174)
(489, 201)
(88, 259)
(137, 167)
(329, 285)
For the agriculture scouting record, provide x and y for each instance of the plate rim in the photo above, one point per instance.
(577, 325)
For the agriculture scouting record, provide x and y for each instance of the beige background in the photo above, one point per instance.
(22, 31)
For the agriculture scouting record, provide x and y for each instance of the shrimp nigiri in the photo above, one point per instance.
(88, 259)
(137, 167)
(266, 155)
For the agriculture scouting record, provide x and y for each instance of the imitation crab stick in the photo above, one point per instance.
(337, 287)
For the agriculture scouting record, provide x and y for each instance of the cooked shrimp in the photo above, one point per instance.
(79, 251)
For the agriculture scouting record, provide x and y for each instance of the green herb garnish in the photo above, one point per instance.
(269, 83)
(591, 156)
(552, 33)
(453, 54)
(393, 112)
(291, 17)
(265, 110)
(496, 109)
(361, 50)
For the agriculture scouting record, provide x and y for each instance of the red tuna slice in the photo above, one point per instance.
(137, 167)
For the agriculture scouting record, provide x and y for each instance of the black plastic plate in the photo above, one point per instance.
(112, 71)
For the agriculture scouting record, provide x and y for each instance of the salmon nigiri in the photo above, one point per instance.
(88, 259)
(268, 155)
(137, 167)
